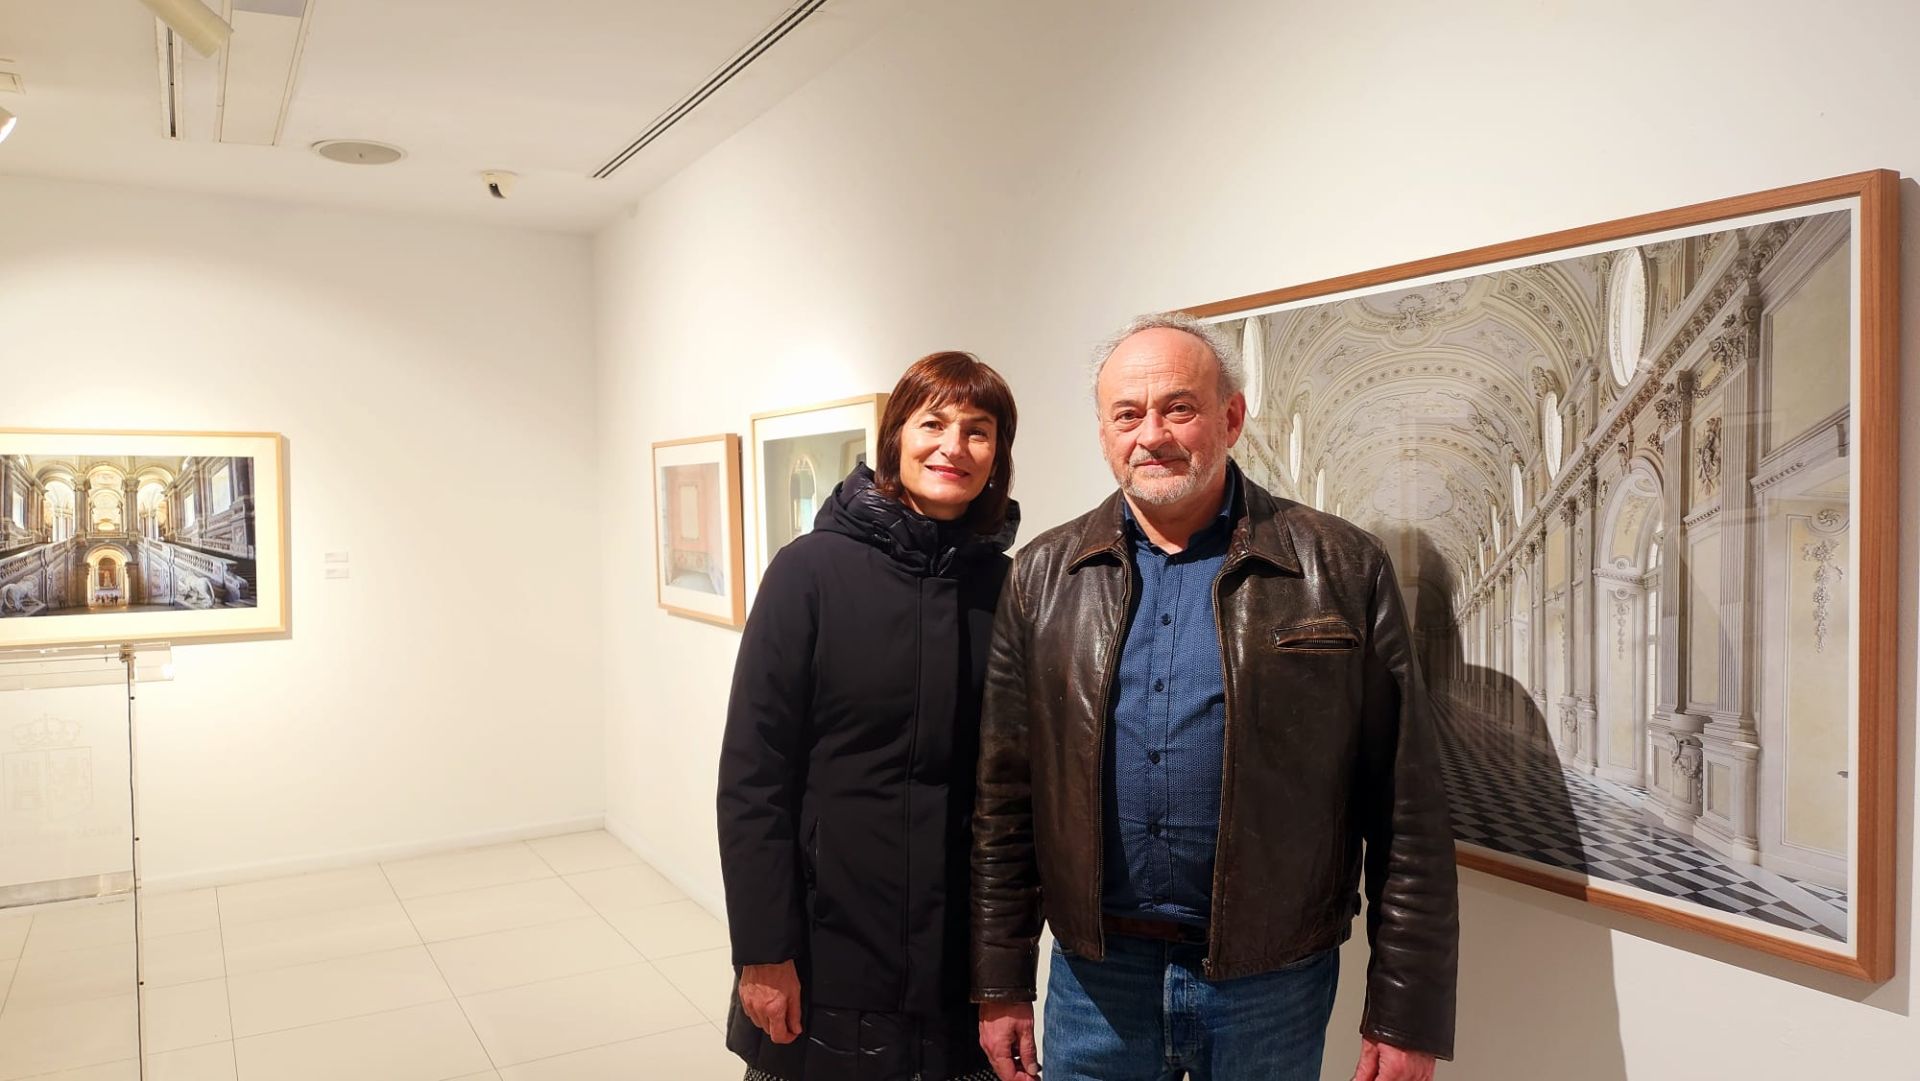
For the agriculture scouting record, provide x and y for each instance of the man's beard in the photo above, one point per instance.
(1165, 490)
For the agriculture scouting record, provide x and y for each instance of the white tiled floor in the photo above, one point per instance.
(561, 959)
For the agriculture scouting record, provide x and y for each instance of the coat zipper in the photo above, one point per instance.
(906, 824)
(1227, 566)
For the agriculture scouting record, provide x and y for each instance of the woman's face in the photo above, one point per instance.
(946, 458)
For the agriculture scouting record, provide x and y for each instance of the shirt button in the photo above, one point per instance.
(1154, 757)
(1165, 619)
(1153, 828)
(1159, 684)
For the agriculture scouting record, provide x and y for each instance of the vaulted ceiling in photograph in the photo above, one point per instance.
(1418, 401)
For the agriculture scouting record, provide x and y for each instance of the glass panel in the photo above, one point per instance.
(67, 944)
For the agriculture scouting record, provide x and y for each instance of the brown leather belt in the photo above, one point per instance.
(1158, 930)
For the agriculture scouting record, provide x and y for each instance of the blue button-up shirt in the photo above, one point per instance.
(1167, 731)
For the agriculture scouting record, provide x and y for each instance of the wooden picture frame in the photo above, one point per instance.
(1640, 480)
(700, 568)
(797, 454)
(142, 536)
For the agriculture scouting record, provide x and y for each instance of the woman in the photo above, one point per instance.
(846, 773)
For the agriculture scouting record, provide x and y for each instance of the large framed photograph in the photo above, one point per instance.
(696, 498)
(798, 457)
(141, 537)
(1639, 481)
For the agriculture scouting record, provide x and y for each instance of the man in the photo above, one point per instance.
(1202, 718)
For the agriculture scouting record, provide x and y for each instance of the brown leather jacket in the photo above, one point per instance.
(1330, 752)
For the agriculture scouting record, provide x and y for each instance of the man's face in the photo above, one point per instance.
(1163, 425)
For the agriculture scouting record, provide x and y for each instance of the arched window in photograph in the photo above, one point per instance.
(1519, 495)
(222, 489)
(1253, 356)
(1652, 688)
(802, 489)
(153, 509)
(59, 510)
(1493, 513)
(1552, 434)
(1320, 489)
(1627, 314)
(1293, 448)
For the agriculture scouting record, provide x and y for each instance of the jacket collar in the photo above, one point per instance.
(1260, 533)
(922, 545)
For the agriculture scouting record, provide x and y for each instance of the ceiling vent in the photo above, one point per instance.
(665, 121)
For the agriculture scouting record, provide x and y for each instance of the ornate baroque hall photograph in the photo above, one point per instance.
(891, 540)
(1490, 429)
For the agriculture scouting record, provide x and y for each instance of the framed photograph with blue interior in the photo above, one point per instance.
(799, 455)
(1640, 482)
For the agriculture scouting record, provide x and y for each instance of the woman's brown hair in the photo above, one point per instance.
(951, 378)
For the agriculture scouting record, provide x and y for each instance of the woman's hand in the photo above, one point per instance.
(770, 997)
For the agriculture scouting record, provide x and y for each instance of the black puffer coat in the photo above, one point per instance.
(846, 787)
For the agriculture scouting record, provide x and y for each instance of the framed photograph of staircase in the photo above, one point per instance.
(115, 537)
(1639, 480)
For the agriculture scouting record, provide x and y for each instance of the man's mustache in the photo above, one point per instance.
(1142, 457)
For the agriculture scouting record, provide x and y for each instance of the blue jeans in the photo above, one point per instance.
(1146, 1014)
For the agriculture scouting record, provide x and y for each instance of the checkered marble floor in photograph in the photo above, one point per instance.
(1514, 796)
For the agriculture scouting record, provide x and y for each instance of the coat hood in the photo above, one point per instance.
(921, 544)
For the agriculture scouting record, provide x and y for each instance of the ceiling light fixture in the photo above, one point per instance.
(7, 120)
(195, 22)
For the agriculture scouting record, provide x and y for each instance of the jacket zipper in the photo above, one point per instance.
(906, 823)
(1227, 566)
(1100, 750)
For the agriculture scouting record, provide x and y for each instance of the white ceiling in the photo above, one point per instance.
(548, 90)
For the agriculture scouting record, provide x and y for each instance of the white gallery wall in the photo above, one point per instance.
(1017, 178)
(435, 385)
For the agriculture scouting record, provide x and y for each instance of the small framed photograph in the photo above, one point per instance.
(116, 537)
(798, 457)
(696, 492)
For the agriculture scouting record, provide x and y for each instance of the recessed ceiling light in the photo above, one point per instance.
(7, 120)
(10, 83)
(358, 151)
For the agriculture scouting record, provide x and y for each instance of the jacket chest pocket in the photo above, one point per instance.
(1329, 637)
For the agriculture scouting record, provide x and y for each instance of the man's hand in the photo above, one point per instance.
(1385, 1062)
(1006, 1035)
(770, 997)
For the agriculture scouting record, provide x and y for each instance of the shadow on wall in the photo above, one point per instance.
(1528, 1008)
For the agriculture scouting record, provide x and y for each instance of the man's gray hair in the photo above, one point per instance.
(1233, 373)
